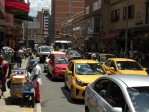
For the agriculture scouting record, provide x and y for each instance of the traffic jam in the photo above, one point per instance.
(104, 81)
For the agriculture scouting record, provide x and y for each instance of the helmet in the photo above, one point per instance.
(33, 62)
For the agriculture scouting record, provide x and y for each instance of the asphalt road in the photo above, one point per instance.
(55, 98)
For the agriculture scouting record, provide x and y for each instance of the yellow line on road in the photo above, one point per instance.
(28, 109)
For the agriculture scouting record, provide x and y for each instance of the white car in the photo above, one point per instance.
(118, 93)
(48, 58)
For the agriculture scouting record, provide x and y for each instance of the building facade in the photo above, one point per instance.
(71, 30)
(61, 10)
(137, 23)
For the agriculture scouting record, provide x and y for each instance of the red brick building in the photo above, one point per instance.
(62, 10)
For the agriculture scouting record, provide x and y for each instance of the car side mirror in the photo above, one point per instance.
(69, 72)
(116, 109)
(112, 68)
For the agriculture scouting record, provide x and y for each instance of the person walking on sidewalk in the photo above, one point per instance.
(19, 55)
(4, 70)
(35, 78)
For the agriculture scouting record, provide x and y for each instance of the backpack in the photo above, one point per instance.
(2, 73)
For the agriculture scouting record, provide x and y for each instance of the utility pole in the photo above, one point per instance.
(126, 31)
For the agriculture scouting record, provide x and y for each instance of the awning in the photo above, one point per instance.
(109, 36)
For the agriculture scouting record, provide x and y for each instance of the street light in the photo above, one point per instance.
(126, 31)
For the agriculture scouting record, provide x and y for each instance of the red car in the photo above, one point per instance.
(57, 65)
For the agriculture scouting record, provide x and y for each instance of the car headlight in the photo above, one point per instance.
(79, 82)
(58, 67)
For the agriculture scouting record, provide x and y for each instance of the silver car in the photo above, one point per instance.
(118, 93)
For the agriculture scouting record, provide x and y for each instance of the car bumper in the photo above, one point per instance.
(59, 74)
(79, 92)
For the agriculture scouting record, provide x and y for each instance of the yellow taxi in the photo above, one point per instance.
(123, 66)
(80, 73)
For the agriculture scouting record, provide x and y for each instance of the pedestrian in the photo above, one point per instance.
(8, 53)
(35, 78)
(4, 70)
(19, 56)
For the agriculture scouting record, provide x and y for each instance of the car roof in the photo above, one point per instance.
(84, 61)
(131, 80)
(121, 59)
(67, 55)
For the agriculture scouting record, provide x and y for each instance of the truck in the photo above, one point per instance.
(61, 44)
(43, 52)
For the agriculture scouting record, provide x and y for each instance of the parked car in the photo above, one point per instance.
(123, 66)
(102, 57)
(48, 58)
(57, 65)
(80, 73)
(118, 93)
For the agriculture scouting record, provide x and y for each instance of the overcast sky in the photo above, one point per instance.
(36, 5)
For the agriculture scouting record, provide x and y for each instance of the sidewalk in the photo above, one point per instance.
(6, 104)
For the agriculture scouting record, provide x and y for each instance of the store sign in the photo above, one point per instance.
(8, 21)
(97, 5)
(14, 5)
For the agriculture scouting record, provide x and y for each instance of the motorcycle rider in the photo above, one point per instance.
(35, 79)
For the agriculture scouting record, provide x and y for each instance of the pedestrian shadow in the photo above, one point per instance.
(68, 97)
(12, 101)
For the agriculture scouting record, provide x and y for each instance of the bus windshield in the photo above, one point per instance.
(62, 44)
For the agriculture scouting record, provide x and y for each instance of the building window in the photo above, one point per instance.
(130, 12)
(115, 15)
(147, 13)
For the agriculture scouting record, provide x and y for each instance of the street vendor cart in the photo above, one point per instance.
(20, 89)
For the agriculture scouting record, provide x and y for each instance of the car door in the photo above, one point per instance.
(114, 98)
(96, 97)
(68, 76)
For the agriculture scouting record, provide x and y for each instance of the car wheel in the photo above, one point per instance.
(65, 85)
(52, 77)
(87, 110)
(71, 95)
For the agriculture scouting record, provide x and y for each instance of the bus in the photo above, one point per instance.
(62, 44)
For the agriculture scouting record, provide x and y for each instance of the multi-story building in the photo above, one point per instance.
(71, 30)
(137, 23)
(96, 22)
(61, 10)
(42, 34)
(45, 12)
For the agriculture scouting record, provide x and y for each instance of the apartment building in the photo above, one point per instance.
(39, 39)
(42, 35)
(61, 10)
(46, 13)
(138, 23)
(96, 23)
(72, 30)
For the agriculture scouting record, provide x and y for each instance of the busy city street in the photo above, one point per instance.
(74, 55)
(55, 98)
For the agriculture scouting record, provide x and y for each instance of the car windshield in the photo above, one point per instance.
(140, 98)
(46, 49)
(89, 69)
(74, 53)
(62, 60)
(128, 65)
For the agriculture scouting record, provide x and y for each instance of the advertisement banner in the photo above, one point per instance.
(8, 21)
